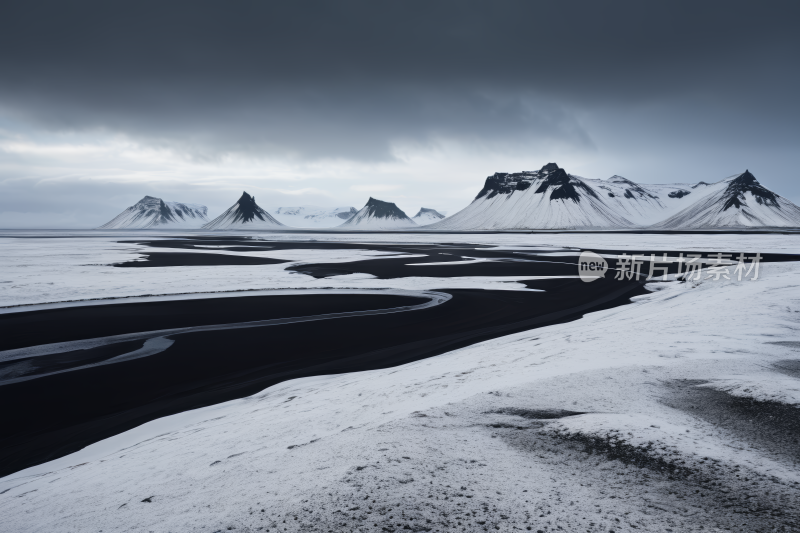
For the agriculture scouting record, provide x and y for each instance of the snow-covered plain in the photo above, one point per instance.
(474, 439)
(37, 268)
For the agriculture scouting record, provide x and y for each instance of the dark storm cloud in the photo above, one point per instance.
(344, 79)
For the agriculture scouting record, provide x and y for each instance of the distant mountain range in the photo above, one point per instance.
(308, 216)
(379, 215)
(427, 216)
(152, 213)
(550, 198)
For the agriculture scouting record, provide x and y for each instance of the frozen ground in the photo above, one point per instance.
(64, 266)
(675, 413)
(36, 271)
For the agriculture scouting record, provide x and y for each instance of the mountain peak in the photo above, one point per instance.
(744, 183)
(564, 186)
(426, 212)
(380, 209)
(152, 212)
(244, 211)
(616, 178)
(549, 167)
(377, 214)
(247, 199)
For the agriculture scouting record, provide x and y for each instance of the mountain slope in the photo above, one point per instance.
(550, 198)
(150, 213)
(308, 216)
(244, 214)
(737, 202)
(545, 199)
(379, 215)
(427, 216)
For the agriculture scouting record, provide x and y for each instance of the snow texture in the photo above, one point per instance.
(427, 216)
(40, 268)
(244, 214)
(308, 216)
(557, 428)
(149, 213)
(44, 271)
(379, 215)
(550, 198)
(738, 202)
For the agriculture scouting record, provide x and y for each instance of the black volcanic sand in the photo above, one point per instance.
(75, 323)
(505, 262)
(59, 414)
(766, 425)
(173, 259)
(62, 413)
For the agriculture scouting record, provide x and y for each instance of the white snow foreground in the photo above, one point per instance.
(151, 213)
(472, 439)
(53, 271)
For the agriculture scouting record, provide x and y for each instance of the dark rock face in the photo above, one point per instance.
(247, 210)
(496, 184)
(734, 194)
(380, 209)
(348, 214)
(564, 186)
(164, 210)
(678, 194)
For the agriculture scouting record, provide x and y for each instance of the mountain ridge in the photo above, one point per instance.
(151, 212)
(551, 198)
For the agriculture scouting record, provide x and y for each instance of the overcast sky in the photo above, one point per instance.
(416, 102)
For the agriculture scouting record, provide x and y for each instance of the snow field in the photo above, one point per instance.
(408, 446)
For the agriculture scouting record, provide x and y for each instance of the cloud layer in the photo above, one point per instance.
(339, 95)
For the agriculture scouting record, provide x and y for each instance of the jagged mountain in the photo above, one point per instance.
(736, 202)
(152, 213)
(308, 216)
(244, 214)
(427, 216)
(379, 215)
(550, 198)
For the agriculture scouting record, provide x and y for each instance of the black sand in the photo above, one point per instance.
(56, 415)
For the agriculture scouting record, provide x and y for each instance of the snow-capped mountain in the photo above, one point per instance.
(308, 216)
(244, 214)
(551, 198)
(378, 215)
(150, 213)
(738, 201)
(427, 216)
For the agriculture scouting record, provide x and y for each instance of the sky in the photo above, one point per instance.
(415, 102)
